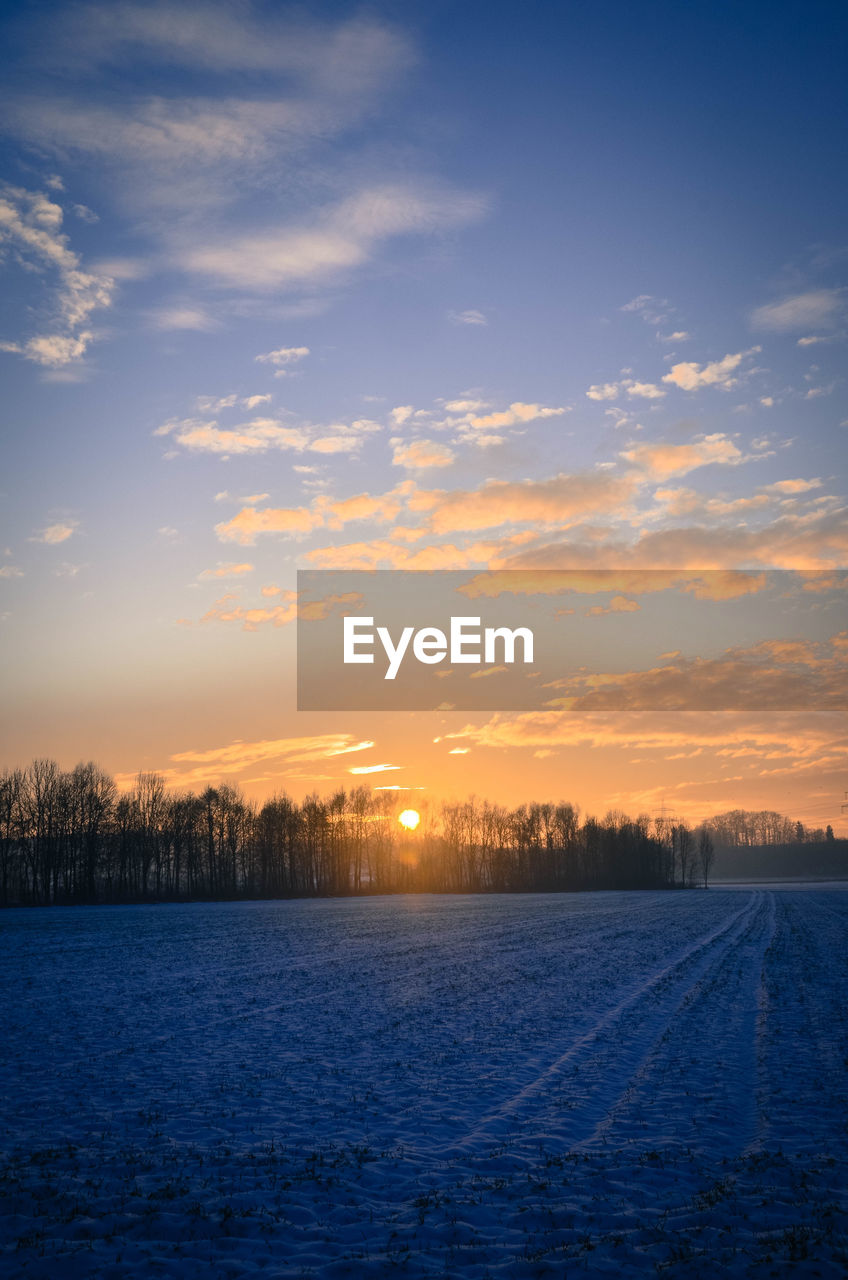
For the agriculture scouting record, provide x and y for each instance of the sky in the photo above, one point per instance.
(454, 286)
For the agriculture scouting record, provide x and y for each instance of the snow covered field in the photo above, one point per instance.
(619, 1084)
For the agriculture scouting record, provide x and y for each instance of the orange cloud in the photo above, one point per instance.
(618, 604)
(423, 453)
(215, 764)
(227, 571)
(557, 501)
(775, 674)
(517, 412)
(690, 376)
(662, 460)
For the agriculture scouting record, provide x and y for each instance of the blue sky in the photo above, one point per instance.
(445, 285)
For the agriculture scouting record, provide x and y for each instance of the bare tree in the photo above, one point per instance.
(682, 839)
(706, 854)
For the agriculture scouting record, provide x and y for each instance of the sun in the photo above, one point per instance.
(409, 819)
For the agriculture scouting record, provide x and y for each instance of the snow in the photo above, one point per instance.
(503, 1086)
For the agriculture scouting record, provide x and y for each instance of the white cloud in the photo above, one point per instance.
(604, 391)
(644, 390)
(344, 438)
(817, 308)
(283, 357)
(466, 406)
(638, 390)
(31, 223)
(467, 317)
(652, 310)
(272, 93)
(10, 571)
(347, 59)
(214, 404)
(194, 319)
(337, 239)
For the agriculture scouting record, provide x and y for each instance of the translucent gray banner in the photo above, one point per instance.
(584, 639)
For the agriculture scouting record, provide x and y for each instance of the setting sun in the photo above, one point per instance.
(409, 819)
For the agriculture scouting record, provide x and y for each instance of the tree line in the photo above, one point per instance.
(69, 836)
(746, 829)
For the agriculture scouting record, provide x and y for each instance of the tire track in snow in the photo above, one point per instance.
(698, 1085)
(599, 1064)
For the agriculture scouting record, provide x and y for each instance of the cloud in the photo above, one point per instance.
(691, 377)
(716, 584)
(382, 553)
(53, 534)
(618, 604)
(792, 486)
(231, 570)
(644, 390)
(260, 434)
(252, 105)
(557, 501)
(775, 674)
(203, 765)
(652, 310)
(422, 453)
(662, 460)
(344, 437)
(194, 319)
(604, 391)
(518, 412)
(323, 513)
(347, 59)
(804, 738)
(252, 618)
(465, 406)
(214, 404)
(250, 522)
(279, 615)
(31, 223)
(815, 539)
(374, 768)
(10, 571)
(817, 308)
(257, 436)
(467, 317)
(339, 237)
(638, 390)
(282, 358)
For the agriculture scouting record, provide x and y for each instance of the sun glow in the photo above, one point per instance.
(410, 819)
